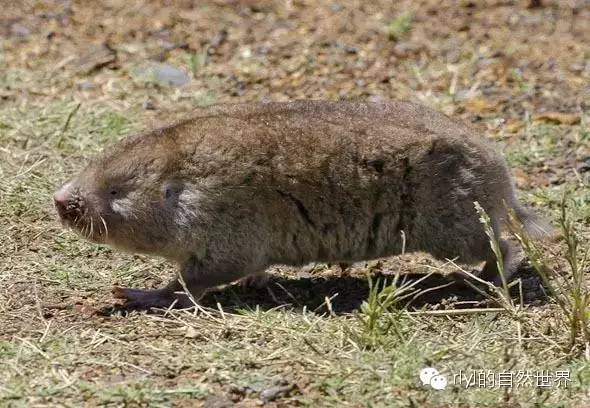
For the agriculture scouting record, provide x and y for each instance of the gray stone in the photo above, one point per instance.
(164, 74)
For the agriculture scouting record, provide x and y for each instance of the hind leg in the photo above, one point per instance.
(490, 271)
(257, 281)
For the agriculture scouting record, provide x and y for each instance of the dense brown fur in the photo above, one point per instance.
(237, 188)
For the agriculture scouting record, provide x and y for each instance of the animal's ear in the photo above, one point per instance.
(172, 190)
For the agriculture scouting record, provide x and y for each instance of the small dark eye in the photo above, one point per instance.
(172, 190)
(114, 192)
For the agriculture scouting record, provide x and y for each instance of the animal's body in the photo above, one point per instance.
(237, 188)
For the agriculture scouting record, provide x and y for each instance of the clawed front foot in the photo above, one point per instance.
(143, 299)
(197, 279)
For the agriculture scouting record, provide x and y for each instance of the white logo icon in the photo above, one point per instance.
(431, 376)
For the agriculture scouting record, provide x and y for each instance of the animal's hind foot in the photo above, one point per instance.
(490, 272)
(256, 281)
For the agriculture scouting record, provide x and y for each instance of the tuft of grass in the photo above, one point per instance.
(499, 295)
(196, 61)
(380, 313)
(518, 78)
(383, 313)
(571, 292)
(495, 245)
(400, 26)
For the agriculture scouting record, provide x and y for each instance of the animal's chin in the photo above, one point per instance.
(87, 229)
(69, 224)
(95, 238)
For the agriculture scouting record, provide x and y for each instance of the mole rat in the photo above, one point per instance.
(237, 188)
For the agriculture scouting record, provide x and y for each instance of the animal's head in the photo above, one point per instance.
(131, 198)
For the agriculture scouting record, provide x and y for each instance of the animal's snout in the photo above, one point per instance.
(60, 199)
(65, 201)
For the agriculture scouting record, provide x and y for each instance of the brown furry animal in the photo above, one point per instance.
(237, 188)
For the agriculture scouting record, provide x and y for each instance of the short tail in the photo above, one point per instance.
(534, 225)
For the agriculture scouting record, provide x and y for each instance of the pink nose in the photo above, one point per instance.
(61, 198)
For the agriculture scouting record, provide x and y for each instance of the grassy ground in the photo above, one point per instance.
(75, 76)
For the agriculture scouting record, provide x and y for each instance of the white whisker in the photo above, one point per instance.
(106, 229)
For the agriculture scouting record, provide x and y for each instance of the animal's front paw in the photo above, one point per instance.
(144, 299)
